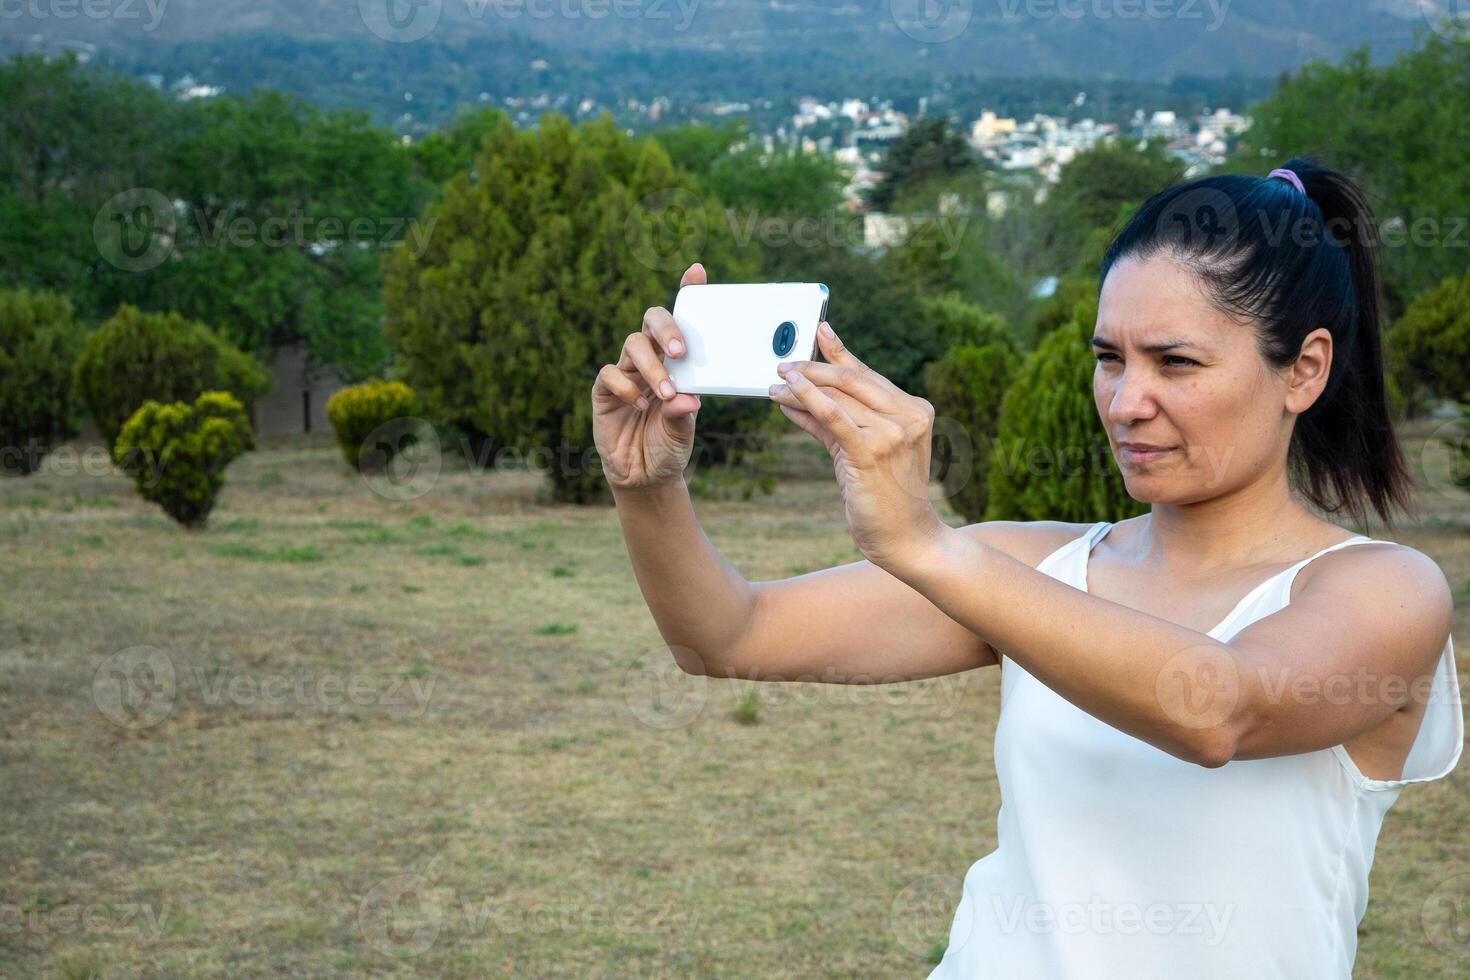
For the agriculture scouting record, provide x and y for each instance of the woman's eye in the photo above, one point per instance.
(1183, 361)
(1102, 357)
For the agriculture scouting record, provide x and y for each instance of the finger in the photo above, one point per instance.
(836, 352)
(659, 324)
(809, 425)
(824, 409)
(681, 404)
(617, 382)
(861, 384)
(639, 354)
(695, 275)
(858, 411)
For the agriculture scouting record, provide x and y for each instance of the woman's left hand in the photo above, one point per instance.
(879, 439)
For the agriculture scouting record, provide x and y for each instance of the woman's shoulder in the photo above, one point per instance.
(1027, 541)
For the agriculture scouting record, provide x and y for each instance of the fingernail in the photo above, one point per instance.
(642, 403)
(776, 389)
(666, 388)
(827, 329)
(783, 367)
(675, 347)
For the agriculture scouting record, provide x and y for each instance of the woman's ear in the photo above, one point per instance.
(1308, 375)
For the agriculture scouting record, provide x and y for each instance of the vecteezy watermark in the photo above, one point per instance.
(1214, 10)
(403, 916)
(401, 21)
(136, 230)
(1199, 686)
(1448, 18)
(140, 229)
(1099, 917)
(135, 688)
(401, 459)
(1445, 915)
(923, 913)
(931, 21)
(1444, 459)
(150, 12)
(666, 229)
(667, 689)
(405, 21)
(139, 921)
(67, 461)
(141, 686)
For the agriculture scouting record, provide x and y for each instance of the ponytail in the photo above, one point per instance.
(1292, 260)
(1344, 446)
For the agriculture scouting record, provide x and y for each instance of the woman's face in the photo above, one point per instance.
(1205, 394)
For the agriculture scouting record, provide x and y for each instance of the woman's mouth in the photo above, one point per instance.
(1139, 455)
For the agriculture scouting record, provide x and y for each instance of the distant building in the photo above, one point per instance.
(297, 401)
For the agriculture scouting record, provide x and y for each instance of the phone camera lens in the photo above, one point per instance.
(785, 339)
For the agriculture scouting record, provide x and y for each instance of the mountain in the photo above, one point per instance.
(1139, 39)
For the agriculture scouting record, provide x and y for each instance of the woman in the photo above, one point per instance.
(1205, 710)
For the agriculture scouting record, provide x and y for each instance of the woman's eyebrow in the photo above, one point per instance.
(1160, 347)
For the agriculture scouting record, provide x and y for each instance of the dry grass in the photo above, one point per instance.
(441, 737)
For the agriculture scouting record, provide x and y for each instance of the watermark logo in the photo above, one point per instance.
(135, 688)
(931, 21)
(661, 694)
(1199, 686)
(401, 21)
(1449, 19)
(95, 10)
(1445, 915)
(1444, 460)
(666, 229)
(923, 912)
(401, 916)
(401, 459)
(1200, 220)
(136, 230)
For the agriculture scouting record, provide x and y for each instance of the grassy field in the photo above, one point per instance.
(338, 734)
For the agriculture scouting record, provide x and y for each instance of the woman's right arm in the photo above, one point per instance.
(850, 624)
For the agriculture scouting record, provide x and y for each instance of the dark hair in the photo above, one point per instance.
(1259, 247)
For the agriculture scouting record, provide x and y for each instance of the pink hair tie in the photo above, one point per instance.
(1289, 176)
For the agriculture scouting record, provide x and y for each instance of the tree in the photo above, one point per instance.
(1396, 129)
(38, 345)
(1095, 190)
(545, 256)
(1051, 460)
(928, 149)
(1429, 348)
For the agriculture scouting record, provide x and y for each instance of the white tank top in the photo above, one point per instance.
(1116, 859)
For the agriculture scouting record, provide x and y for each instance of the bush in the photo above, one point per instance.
(1428, 350)
(1054, 462)
(177, 453)
(136, 357)
(965, 387)
(39, 341)
(357, 411)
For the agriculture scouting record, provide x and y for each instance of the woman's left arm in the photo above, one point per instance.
(1356, 644)
(1359, 641)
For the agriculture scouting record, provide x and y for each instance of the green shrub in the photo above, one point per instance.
(1428, 350)
(1052, 460)
(137, 357)
(357, 411)
(177, 453)
(39, 341)
(965, 386)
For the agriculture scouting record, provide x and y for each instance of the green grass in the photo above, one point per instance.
(518, 750)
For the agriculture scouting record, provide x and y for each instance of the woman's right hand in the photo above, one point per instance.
(644, 431)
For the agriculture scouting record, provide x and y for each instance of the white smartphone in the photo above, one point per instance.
(736, 333)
